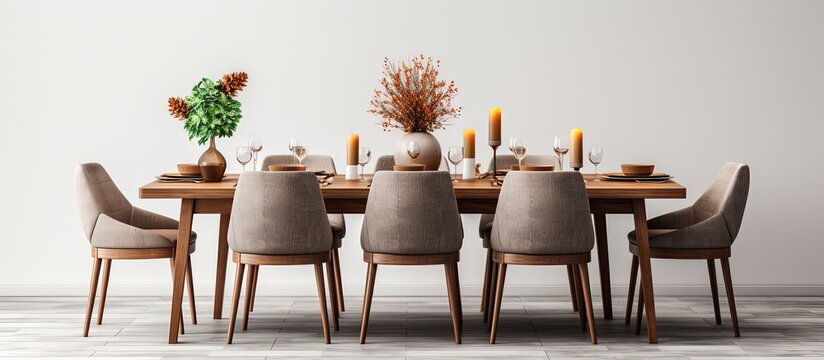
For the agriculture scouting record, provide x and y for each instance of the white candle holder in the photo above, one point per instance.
(468, 169)
(352, 172)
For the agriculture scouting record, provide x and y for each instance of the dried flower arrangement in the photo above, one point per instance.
(210, 111)
(412, 97)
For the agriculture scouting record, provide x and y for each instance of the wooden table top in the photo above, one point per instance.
(464, 189)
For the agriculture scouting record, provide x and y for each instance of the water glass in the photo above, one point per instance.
(364, 155)
(561, 147)
(256, 144)
(301, 152)
(243, 155)
(455, 156)
(596, 155)
(518, 148)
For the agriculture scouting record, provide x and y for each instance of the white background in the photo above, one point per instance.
(687, 85)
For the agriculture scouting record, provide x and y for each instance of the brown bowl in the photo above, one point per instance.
(637, 169)
(409, 167)
(287, 167)
(212, 173)
(537, 167)
(188, 169)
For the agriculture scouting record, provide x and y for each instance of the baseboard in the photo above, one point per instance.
(390, 290)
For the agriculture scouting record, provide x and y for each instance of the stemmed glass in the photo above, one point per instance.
(256, 144)
(292, 143)
(561, 147)
(596, 155)
(455, 156)
(300, 152)
(413, 149)
(243, 155)
(518, 148)
(364, 155)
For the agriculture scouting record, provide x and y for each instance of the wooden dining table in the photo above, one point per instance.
(478, 196)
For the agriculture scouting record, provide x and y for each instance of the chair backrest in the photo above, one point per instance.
(726, 196)
(313, 162)
(97, 194)
(543, 213)
(506, 161)
(411, 213)
(387, 163)
(279, 213)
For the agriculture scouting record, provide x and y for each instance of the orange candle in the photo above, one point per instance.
(576, 148)
(352, 144)
(495, 126)
(469, 143)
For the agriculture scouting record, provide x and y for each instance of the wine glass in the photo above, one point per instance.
(364, 155)
(413, 149)
(256, 144)
(455, 156)
(596, 155)
(300, 153)
(518, 148)
(561, 147)
(243, 155)
(292, 143)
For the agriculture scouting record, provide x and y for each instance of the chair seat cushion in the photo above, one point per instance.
(338, 229)
(680, 239)
(171, 235)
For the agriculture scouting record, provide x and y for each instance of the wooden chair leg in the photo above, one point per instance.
(579, 295)
(235, 301)
(491, 298)
(92, 294)
(725, 268)
(573, 293)
(714, 289)
(324, 315)
(449, 271)
(640, 316)
(338, 281)
(190, 282)
(247, 300)
(499, 293)
(633, 277)
(367, 300)
(458, 294)
(255, 270)
(172, 268)
(333, 294)
(104, 289)
(588, 301)
(487, 276)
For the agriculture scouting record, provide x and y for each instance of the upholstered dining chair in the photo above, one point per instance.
(703, 231)
(485, 227)
(543, 218)
(117, 230)
(387, 162)
(313, 163)
(279, 218)
(412, 219)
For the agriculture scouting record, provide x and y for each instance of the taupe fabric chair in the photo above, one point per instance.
(387, 163)
(117, 230)
(412, 219)
(485, 227)
(704, 231)
(313, 163)
(543, 218)
(279, 218)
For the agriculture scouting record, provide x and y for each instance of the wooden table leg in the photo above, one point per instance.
(642, 237)
(220, 273)
(182, 249)
(603, 263)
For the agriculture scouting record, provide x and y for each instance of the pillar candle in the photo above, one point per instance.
(495, 126)
(576, 148)
(352, 145)
(469, 143)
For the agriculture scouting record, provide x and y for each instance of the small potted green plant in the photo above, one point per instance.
(209, 112)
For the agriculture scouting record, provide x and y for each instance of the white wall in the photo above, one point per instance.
(687, 85)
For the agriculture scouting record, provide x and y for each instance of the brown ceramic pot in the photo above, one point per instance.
(212, 163)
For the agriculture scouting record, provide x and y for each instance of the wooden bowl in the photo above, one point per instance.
(637, 169)
(537, 168)
(212, 173)
(188, 169)
(409, 167)
(515, 168)
(287, 167)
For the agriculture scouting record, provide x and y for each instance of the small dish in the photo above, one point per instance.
(188, 169)
(409, 167)
(287, 167)
(637, 169)
(212, 173)
(537, 168)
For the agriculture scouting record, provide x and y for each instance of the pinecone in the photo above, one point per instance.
(233, 83)
(178, 108)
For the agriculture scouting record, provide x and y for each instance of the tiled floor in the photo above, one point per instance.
(412, 328)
